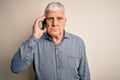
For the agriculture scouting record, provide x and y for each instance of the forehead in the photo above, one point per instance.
(55, 13)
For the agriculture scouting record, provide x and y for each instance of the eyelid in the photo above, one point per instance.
(59, 18)
(49, 18)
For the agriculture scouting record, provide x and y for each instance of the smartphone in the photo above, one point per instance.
(43, 24)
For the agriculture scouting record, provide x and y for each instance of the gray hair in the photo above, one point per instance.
(54, 6)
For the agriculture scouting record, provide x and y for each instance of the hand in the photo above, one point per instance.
(37, 31)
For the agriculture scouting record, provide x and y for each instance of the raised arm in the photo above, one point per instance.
(24, 56)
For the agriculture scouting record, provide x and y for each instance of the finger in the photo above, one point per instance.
(41, 18)
(38, 22)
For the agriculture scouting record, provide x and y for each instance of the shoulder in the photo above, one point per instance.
(75, 37)
(77, 41)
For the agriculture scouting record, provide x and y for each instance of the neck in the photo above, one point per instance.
(57, 38)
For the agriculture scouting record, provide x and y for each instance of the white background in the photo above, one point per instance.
(97, 22)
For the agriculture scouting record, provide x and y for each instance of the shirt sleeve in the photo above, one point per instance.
(24, 56)
(83, 70)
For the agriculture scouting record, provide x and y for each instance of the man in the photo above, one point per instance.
(55, 54)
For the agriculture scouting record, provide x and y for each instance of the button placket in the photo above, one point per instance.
(57, 62)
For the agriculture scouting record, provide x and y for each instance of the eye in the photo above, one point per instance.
(49, 18)
(59, 18)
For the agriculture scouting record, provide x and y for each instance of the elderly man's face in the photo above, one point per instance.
(55, 22)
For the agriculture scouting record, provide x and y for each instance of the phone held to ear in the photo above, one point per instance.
(43, 24)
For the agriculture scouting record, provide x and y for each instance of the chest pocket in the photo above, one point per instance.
(69, 62)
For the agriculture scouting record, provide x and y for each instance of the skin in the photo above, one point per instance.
(55, 24)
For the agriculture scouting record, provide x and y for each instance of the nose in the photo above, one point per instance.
(54, 23)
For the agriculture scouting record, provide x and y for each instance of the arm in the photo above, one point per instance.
(84, 72)
(24, 57)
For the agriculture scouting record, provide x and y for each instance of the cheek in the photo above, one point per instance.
(63, 25)
(48, 25)
(49, 28)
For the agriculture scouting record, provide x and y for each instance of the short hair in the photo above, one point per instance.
(54, 6)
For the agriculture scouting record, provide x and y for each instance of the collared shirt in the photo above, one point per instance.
(66, 61)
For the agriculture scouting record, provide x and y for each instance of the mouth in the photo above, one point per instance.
(55, 28)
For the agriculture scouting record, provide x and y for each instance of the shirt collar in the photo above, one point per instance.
(66, 34)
